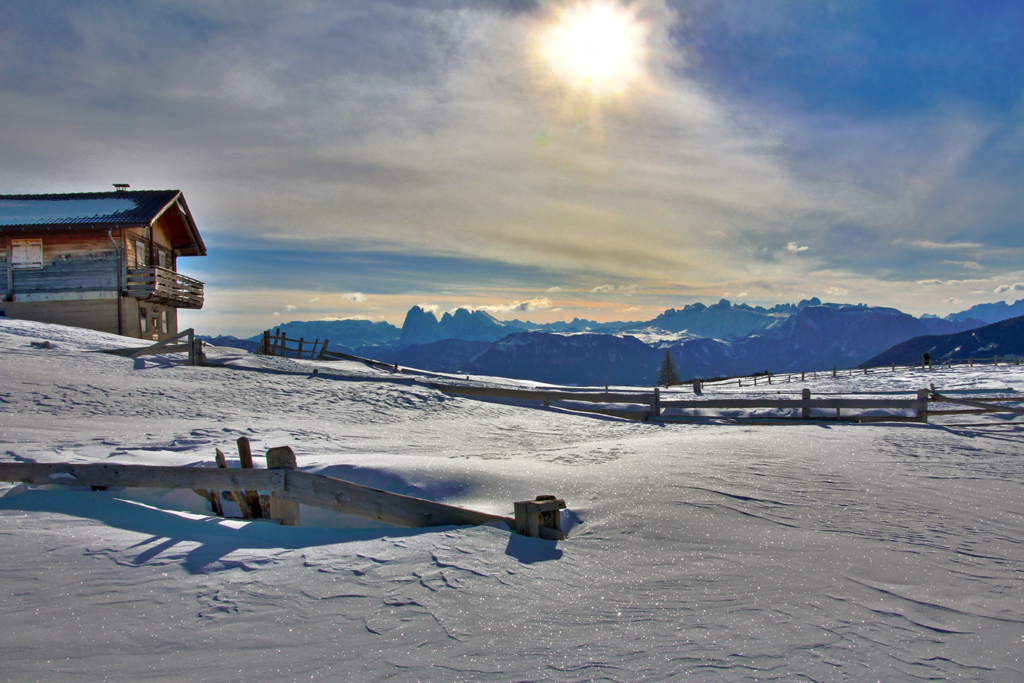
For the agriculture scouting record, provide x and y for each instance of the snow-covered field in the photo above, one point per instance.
(707, 551)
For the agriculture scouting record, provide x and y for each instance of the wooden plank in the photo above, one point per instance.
(940, 398)
(105, 474)
(252, 497)
(539, 395)
(375, 504)
(282, 457)
(819, 403)
(237, 496)
(149, 350)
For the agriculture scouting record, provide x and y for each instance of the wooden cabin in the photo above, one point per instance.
(105, 261)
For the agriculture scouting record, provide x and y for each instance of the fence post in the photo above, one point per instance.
(265, 344)
(252, 498)
(282, 457)
(805, 411)
(801, 375)
(656, 403)
(922, 405)
(995, 359)
(323, 349)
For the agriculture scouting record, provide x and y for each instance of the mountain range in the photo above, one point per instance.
(706, 341)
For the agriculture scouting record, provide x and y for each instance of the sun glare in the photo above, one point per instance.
(597, 47)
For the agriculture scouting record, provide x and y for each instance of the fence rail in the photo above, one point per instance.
(654, 404)
(282, 483)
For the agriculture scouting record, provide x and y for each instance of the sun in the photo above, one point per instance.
(596, 47)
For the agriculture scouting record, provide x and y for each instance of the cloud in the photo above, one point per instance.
(290, 307)
(605, 289)
(538, 303)
(969, 265)
(1016, 287)
(837, 291)
(356, 297)
(554, 289)
(314, 300)
(951, 300)
(793, 247)
(933, 246)
(934, 281)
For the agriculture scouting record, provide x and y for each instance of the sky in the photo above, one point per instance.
(353, 159)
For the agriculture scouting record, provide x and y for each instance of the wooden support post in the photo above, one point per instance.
(236, 496)
(214, 497)
(323, 349)
(282, 457)
(802, 376)
(922, 405)
(265, 344)
(805, 411)
(656, 403)
(540, 518)
(252, 498)
(833, 371)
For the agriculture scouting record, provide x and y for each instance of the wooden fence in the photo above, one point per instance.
(286, 486)
(183, 342)
(810, 409)
(788, 377)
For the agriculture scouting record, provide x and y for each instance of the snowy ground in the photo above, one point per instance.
(713, 552)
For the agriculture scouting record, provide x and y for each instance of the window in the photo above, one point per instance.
(163, 321)
(143, 321)
(26, 254)
(141, 250)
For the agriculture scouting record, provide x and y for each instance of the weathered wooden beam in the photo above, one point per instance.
(375, 504)
(252, 497)
(540, 518)
(106, 474)
(150, 350)
(941, 398)
(282, 457)
(237, 496)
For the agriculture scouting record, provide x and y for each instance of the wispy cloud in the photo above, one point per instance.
(795, 248)
(536, 304)
(1015, 287)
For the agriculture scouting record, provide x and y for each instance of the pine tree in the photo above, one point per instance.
(668, 374)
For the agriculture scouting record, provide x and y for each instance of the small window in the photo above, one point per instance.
(163, 321)
(140, 254)
(26, 254)
(143, 321)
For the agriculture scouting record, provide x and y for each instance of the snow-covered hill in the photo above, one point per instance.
(706, 552)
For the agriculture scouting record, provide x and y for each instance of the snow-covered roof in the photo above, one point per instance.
(123, 208)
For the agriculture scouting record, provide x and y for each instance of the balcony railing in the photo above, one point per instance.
(164, 286)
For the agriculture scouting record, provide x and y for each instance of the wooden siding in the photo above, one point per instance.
(72, 262)
(94, 314)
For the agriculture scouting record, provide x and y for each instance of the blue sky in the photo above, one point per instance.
(355, 159)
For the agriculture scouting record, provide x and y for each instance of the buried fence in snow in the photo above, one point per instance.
(286, 488)
(810, 409)
(183, 342)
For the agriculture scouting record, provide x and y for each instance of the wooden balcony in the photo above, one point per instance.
(163, 286)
